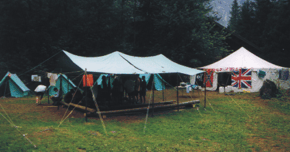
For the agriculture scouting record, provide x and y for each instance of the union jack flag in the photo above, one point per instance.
(242, 78)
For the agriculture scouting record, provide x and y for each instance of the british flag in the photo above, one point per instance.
(242, 78)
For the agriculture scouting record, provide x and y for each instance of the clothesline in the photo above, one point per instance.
(40, 63)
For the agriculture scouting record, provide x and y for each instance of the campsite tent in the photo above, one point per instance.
(67, 84)
(12, 86)
(248, 71)
(120, 63)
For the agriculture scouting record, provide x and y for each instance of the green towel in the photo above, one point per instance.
(261, 74)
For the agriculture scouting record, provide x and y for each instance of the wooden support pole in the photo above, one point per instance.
(153, 83)
(177, 93)
(163, 89)
(67, 85)
(86, 95)
(47, 96)
(205, 74)
(60, 89)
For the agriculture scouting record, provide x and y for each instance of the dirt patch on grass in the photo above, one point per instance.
(267, 144)
(127, 119)
(44, 132)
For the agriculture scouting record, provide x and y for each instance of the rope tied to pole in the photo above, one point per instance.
(16, 127)
(148, 109)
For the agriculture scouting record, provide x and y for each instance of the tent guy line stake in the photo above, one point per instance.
(97, 106)
(10, 120)
(240, 107)
(70, 102)
(40, 63)
(148, 109)
(13, 125)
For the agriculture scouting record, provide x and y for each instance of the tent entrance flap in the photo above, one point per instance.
(12, 86)
(224, 78)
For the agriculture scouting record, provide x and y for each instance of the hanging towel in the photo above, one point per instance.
(53, 79)
(49, 75)
(88, 80)
(35, 78)
(261, 74)
(40, 88)
(284, 74)
(188, 88)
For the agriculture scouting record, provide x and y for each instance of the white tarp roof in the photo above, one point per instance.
(242, 58)
(120, 63)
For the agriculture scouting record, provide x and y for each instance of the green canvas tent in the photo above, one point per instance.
(12, 86)
(67, 84)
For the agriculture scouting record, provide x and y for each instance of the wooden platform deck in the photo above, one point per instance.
(161, 105)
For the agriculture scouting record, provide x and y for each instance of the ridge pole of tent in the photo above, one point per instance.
(177, 92)
(205, 90)
(86, 95)
(153, 83)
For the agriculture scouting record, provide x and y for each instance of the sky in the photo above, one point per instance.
(223, 8)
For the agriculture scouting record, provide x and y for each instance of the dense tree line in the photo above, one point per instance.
(266, 24)
(34, 30)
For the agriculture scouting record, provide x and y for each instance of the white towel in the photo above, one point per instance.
(53, 79)
(40, 88)
(36, 78)
(188, 88)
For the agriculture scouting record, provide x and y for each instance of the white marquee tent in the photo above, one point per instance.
(244, 59)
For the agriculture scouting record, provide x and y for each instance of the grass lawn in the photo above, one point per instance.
(241, 122)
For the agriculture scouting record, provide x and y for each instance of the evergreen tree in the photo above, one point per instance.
(235, 16)
(276, 34)
(245, 24)
(33, 31)
(182, 31)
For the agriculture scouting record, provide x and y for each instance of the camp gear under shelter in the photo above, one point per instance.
(120, 63)
(158, 81)
(67, 84)
(12, 86)
(250, 65)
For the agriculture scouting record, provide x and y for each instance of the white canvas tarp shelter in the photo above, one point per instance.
(244, 59)
(120, 63)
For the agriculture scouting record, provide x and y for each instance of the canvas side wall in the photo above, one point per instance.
(66, 86)
(15, 91)
(257, 83)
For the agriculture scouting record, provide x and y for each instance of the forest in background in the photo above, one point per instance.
(266, 24)
(34, 30)
(184, 31)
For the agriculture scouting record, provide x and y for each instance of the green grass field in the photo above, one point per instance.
(241, 122)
